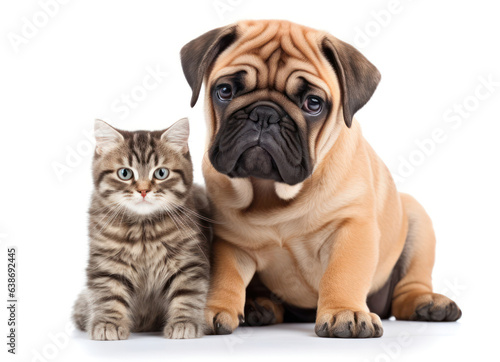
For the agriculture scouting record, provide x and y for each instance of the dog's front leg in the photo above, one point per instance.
(342, 308)
(232, 270)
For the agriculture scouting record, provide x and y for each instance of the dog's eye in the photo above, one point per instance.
(125, 174)
(225, 92)
(313, 105)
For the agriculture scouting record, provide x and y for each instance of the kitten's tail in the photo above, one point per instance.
(81, 311)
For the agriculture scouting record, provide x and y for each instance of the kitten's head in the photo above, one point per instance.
(145, 172)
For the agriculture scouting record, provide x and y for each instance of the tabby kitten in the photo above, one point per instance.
(148, 267)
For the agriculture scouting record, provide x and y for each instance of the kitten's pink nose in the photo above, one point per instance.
(143, 192)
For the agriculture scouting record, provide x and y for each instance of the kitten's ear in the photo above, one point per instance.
(107, 138)
(177, 135)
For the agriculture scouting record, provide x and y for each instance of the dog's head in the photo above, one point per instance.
(277, 96)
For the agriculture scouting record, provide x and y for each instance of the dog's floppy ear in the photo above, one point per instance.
(199, 54)
(357, 76)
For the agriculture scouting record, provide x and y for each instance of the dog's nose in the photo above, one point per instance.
(265, 115)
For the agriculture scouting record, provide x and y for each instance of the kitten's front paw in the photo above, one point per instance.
(108, 331)
(182, 330)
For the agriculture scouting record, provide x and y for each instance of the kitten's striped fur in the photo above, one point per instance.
(148, 267)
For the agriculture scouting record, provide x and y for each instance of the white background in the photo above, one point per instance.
(77, 63)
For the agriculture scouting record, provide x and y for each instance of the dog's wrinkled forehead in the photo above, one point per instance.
(274, 55)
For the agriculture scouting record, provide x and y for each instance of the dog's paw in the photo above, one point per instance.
(108, 331)
(221, 320)
(345, 323)
(263, 312)
(183, 330)
(435, 308)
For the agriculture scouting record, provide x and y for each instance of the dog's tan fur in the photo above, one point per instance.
(329, 241)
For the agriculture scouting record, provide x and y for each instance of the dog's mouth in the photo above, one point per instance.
(261, 141)
(256, 162)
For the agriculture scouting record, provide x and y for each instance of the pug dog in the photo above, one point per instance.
(303, 205)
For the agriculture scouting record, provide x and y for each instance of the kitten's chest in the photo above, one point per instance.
(153, 252)
(152, 266)
(152, 269)
(147, 255)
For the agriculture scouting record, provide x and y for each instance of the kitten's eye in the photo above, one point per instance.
(125, 174)
(161, 173)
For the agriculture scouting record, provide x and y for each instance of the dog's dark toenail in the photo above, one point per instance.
(453, 312)
(215, 319)
(322, 331)
(378, 330)
(343, 330)
(363, 331)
